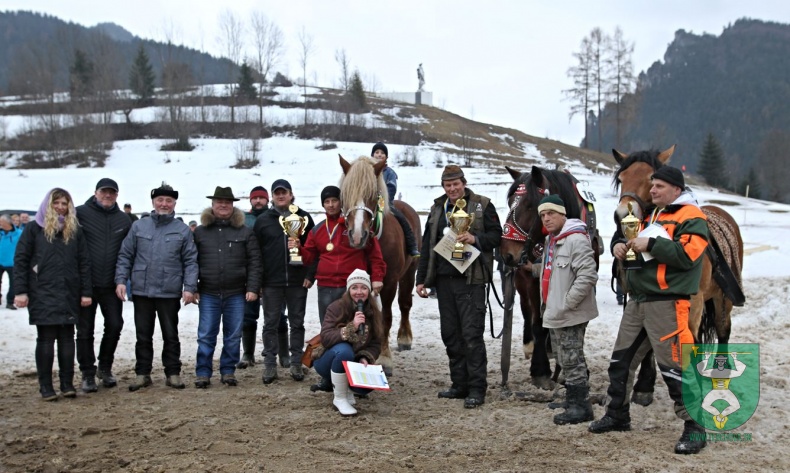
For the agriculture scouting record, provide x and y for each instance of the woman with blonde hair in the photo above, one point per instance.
(351, 331)
(53, 279)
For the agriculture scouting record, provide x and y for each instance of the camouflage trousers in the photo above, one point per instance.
(568, 346)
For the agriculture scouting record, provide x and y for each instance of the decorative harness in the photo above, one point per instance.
(377, 217)
(513, 231)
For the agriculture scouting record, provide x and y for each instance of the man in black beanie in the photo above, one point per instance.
(380, 153)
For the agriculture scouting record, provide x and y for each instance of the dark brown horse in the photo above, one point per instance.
(367, 214)
(523, 238)
(710, 307)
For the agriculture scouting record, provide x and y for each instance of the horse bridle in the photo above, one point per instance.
(513, 231)
(642, 203)
(370, 212)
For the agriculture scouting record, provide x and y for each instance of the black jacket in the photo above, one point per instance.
(53, 275)
(274, 251)
(229, 258)
(105, 230)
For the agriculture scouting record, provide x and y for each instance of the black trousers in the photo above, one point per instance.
(111, 309)
(146, 310)
(45, 354)
(9, 296)
(462, 320)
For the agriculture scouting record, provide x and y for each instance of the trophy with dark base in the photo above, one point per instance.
(630, 226)
(460, 222)
(293, 226)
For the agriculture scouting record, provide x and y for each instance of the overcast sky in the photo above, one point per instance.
(499, 62)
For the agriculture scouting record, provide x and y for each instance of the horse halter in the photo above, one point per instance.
(513, 231)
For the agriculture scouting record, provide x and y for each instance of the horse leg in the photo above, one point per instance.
(405, 298)
(385, 358)
(645, 381)
(723, 319)
(522, 288)
(695, 315)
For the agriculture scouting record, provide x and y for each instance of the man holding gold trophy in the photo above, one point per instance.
(457, 259)
(285, 279)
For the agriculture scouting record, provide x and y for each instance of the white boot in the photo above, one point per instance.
(340, 389)
(351, 399)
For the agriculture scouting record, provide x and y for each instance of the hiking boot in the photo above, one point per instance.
(141, 381)
(174, 381)
(48, 393)
(692, 440)
(608, 423)
(323, 385)
(474, 400)
(106, 378)
(269, 374)
(296, 372)
(453, 393)
(89, 384)
(229, 379)
(202, 382)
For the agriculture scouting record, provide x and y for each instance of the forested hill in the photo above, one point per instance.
(36, 51)
(735, 86)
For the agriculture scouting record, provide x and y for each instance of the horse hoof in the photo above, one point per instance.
(403, 347)
(643, 399)
(543, 382)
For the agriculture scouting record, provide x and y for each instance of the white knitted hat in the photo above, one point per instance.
(358, 276)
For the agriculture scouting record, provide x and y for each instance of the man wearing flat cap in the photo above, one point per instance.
(282, 283)
(105, 226)
(229, 276)
(159, 255)
(461, 295)
(656, 316)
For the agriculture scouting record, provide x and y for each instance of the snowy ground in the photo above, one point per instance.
(278, 427)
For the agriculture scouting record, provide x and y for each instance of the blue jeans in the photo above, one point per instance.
(230, 310)
(332, 360)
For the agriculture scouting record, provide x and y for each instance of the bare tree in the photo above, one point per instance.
(305, 51)
(579, 94)
(269, 49)
(621, 77)
(345, 81)
(176, 77)
(230, 41)
(599, 44)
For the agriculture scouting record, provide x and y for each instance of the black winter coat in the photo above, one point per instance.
(229, 258)
(105, 230)
(53, 275)
(277, 272)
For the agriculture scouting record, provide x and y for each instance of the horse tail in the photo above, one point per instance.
(707, 327)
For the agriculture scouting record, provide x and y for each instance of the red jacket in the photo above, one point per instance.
(335, 266)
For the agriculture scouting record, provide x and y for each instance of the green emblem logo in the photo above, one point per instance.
(721, 383)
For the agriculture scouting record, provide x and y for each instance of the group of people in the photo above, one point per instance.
(69, 261)
(655, 315)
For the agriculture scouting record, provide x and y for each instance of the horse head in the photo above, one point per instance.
(362, 193)
(633, 179)
(523, 231)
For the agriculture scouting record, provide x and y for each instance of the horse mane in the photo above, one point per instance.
(560, 182)
(649, 156)
(362, 184)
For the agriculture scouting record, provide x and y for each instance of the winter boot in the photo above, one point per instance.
(67, 388)
(284, 351)
(269, 374)
(141, 381)
(89, 383)
(248, 337)
(174, 381)
(692, 440)
(48, 392)
(579, 408)
(340, 389)
(106, 377)
(608, 423)
(296, 372)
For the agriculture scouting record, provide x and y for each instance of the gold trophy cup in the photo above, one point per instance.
(460, 222)
(293, 226)
(630, 226)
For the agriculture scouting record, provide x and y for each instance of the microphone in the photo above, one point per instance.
(360, 308)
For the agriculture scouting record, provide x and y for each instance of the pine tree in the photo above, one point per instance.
(141, 77)
(356, 93)
(711, 163)
(81, 76)
(753, 182)
(246, 89)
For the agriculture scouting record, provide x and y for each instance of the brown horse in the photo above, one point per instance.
(633, 179)
(523, 238)
(367, 214)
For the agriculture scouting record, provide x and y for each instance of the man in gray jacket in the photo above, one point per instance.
(567, 275)
(160, 255)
